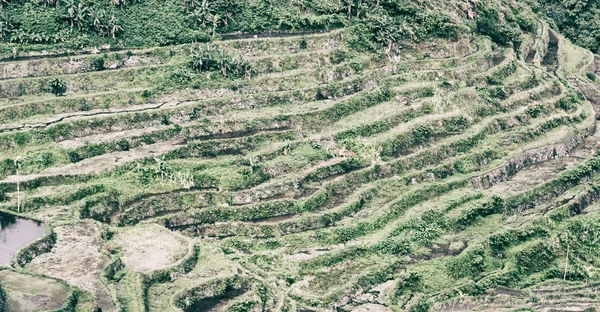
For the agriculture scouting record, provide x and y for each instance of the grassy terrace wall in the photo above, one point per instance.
(3, 303)
(40, 246)
(317, 172)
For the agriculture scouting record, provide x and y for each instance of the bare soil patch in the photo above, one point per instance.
(31, 293)
(76, 259)
(539, 173)
(149, 248)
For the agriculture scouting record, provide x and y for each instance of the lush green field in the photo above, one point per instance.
(384, 155)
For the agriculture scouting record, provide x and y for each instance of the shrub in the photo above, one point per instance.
(534, 258)
(437, 24)
(123, 144)
(591, 76)
(489, 24)
(535, 110)
(421, 306)
(468, 265)
(74, 157)
(3, 303)
(497, 93)
(97, 63)
(58, 86)
(407, 282)
(303, 44)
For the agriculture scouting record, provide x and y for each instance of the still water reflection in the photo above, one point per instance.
(15, 233)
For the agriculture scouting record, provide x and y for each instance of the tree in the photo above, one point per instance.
(200, 12)
(58, 86)
(112, 27)
(5, 27)
(77, 14)
(203, 57)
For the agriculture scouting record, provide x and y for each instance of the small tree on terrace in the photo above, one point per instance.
(77, 14)
(224, 64)
(203, 57)
(58, 86)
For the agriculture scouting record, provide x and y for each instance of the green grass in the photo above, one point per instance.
(335, 169)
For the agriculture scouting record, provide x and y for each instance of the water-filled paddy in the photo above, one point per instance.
(15, 233)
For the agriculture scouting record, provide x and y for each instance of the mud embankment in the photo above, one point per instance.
(530, 157)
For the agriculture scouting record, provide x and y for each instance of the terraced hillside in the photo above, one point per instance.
(446, 176)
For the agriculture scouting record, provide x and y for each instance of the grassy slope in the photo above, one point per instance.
(345, 172)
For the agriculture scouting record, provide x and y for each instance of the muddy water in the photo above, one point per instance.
(15, 233)
(215, 304)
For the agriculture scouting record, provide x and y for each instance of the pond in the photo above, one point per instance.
(15, 233)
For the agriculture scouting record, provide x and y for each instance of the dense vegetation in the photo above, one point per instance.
(123, 23)
(576, 20)
(356, 154)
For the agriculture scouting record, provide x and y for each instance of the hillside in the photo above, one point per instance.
(298, 156)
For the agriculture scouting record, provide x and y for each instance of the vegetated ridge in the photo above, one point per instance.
(361, 155)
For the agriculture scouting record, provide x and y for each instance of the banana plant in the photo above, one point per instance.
(120, 3)
(201, 12)
(112, 26)
(96, 18)
(4, 30)
(223, 62)
(77, 14)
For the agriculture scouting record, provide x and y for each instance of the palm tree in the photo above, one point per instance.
(228, 16)
(161, 168)
(112, 26)
(191, 5)
(349, 4)
(96, 17)
(4, 29)
(242, 68)
(203, 57)
(215, 19)
(201, 12)
(77, 14)
(225, 8)
(198, 54)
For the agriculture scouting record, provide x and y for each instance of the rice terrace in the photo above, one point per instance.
(289, 155)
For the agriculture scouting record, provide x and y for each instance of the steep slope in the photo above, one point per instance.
(352, 169)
